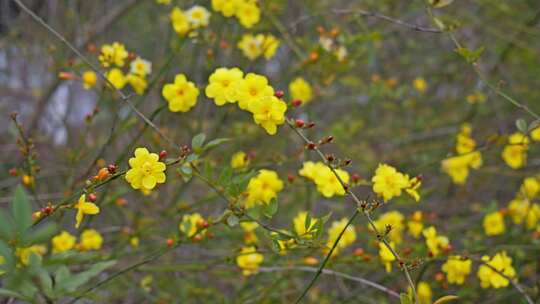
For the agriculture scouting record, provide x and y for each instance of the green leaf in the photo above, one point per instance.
(271, 208)
(521, 125)
(214, 143)
(7, 253)
(307, 222)
(12, 294)
(255, 212)
(39, 235)
(471, 56)
(191, 158)
(77, 280)
(6, 226)
(197, 142)
(225, 176)
(21, 210)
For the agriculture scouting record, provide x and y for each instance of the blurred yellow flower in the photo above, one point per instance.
(458, 166)
(190, 224)
(197, 16)
(138, 83)
(117, 78)
(115, 53)
(227, 7)
(89, 79)
(248, 13)
(299, 223)
(395, 220)
(239, 160)
(263, 188)
(181, 95)
(249, 260)
(457, 269)
(515, 152)
(502, 263)
(301, 90)
(179, 21)
(494, 223)
(424, 293)
(251, 46)
(140, 67)
(415, 225)
(535, 134)
(250, 237)
(83, 207)
(270, 46)
(435, 243)
(530, 188)
(164, 2)
(386, 256)
(222, 85)
(63, 242)
(327, 182)
(146, 170)
(420, 84)
(348, 237)
(90, 240)
(24, 253)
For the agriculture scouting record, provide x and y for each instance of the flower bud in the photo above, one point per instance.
(13, 172)
(299, 123)
(112, 168)
(170, 242)
(92, 197)
(311, 146)
(162, 155)
(279, 94)
(296, 103)
(102, 174)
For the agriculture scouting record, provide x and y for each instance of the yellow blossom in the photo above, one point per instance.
(476, 97)
(311, 170)
(325, 179)
(227, 7)
(138, 83)
(146, 170)
(268, 112)
(117, 78)
(518, 209)
(457, 269)
(239, 160)
(134, 242)
(263, 188)
(251, 89)
(190, 224)
(24, 253)
(435, 243)
(83, 207)
(89, 79)
(248, 13)
(63, 242)
(301, 90)
(530, 188)
(458, 166)
(250, 237)
(388, 182)
(535, 134)
(424, 293)
(140, 67)
(415, 225)
(420, 84)
(222, 85)
(115, 53)
(249, 260)
(393, 219)
(179, 21)
(386, 256)
(181, 95)
(299, 223)
(494, 223)
(252, 46)
(164, 2)
(270, 46)
(515, 152)
(348, 237)
(90, 240)
(490, 278)
(197, 16)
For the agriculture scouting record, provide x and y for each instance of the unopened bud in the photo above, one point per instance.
(162, 155)
(92, 197)
(279, 94)
(296, 103)
(299, 123)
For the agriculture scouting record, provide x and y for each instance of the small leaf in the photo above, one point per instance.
(191, 158)
(232, 220)
(521, 125)
(471, 56)
(21, 210)
(271, 208)
(6, 226)
(307, 222)
(197, 142)
(214, 143)
(11, 294)
(446, 299)
(225, 176)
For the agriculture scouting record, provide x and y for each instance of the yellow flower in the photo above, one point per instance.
(301, 90)
(252, 88)
(420, 84)
(393, 219)
(24, 253)
(476, 97)
(222, 85)
(89, 79)
(134, 242)
(83, 207)
(424, 293)
(533, 217)
(494, 223)
(268, 112)
(299, 223)
(311, 170)
(113, 54)
(226, 7)
(248, 13)
(90, 240)
(164, 2)
(415, 225)
(465, 144)
(250, 237)
(146, 170)
(181, 95)
(117, 78)
(63, 242)
(435, 243)
(327, 182)
(190, 224)
(535, 134)
(138, 83)
(249, 260)
(179, 21)
(458, 166)
(412, 188)
(489, 278)
(270, 46)
(239, 160)
(515, 152)
(252, 46)
(388, 182)
(140, 67)
(530, 188)
(348, 237)
(386, 256)
(518, 209)
(198, 16)
(457, 269)
(263, 188)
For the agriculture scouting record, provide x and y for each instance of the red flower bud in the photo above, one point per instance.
(296, 103)
(311, 146)
(13, 172)
(299, 123)
(112, 168)
(162, 155)
(170, 242)
(279, 94)
(92, 197)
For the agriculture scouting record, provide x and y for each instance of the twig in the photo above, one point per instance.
(321, 267)
(123, 96)
(334, 273)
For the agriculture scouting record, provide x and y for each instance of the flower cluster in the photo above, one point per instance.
(491, 278)
(415, 224)
(146, 170)
(115, 56)
(434, 242)
(389, 183)
(246, 11)
(514, 153)
(254, 46)
(522, 208)
(192, 224)
(457, 269)
(325, 179)
(458, 166)
(184, 21)
(263, 188)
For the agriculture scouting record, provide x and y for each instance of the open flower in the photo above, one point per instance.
(63, 242)
(115, 53)
(301, 90)
(388, 182)
(490, 278)
(251, 89)
(179, 21)
(268, 112)
(198, 16)
(249, 260)
(248, 13)
(457, 269)
(222, 85)
(181, 95)
(146, 170)
(83, 207)
(90, 240)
